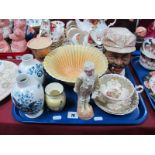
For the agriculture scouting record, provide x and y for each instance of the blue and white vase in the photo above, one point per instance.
(32, 67)
(28, 96)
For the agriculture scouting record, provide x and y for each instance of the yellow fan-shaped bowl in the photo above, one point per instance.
(66, 62)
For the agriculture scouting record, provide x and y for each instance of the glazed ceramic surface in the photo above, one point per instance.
(149, 47)
(118, 109)
(149, 82)
(28, 96)
(70, 24)
(147, 58)
(4, 46)
(5, 27)
(34, 22)
(45, 30)
(19, 43)
(55, 96)
(65, 63)
(152, 84)
(31, 67)
(58, 43)
(39, 43)
(8, 72)
(147, 62)
(116, 88)
(40, 46)
(57, 30)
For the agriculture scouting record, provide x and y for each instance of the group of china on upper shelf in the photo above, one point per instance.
(87, 54)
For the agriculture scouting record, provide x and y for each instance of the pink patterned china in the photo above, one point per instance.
(147, 58)
(8, 72)
(149, 82)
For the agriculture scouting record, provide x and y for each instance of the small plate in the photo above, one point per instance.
(8, 72)
(118, 109)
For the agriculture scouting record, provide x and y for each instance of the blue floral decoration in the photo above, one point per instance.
(24, 102)
(37, 69)
(0, 62)
(25, 97)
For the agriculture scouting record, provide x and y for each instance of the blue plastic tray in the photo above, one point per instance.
(69, 116)
(141, 72)
(136, 53)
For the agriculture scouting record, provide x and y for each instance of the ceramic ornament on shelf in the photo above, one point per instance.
(119, 44)
(77, 37)
(28, 96)
(147, 58)
(34, 22)
(57, 30)
(88, 32)
(4, 46)
(140, 35)
(57, 34)
(97, 33)
(5, 27)
(66, 63)
(84, 25)
(27, 30)
(86, 84)
(19, 43)
(71, 24)
(32, 67)
(8, 71)
(40, 47)
(45, 28)
(149, 82)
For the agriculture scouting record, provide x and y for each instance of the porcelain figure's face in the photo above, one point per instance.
(117, 61)
(89, 72)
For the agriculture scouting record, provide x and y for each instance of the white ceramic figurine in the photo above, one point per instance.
(86, 84)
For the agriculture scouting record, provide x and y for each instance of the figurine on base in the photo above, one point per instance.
(5, 27)
(140, 35)
(4, 46)
(119, 44)
(19, 43)
(21, 24)
(86, 84)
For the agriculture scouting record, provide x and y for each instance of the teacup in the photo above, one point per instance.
(119, 90)
(147, 58)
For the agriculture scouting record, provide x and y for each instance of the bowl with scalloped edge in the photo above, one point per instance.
(66, 62)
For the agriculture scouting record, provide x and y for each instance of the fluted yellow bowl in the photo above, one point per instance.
(66, 62)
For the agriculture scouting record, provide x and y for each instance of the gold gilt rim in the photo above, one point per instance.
(129, 109)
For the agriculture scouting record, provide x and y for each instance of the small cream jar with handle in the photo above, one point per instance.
(55, 96)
